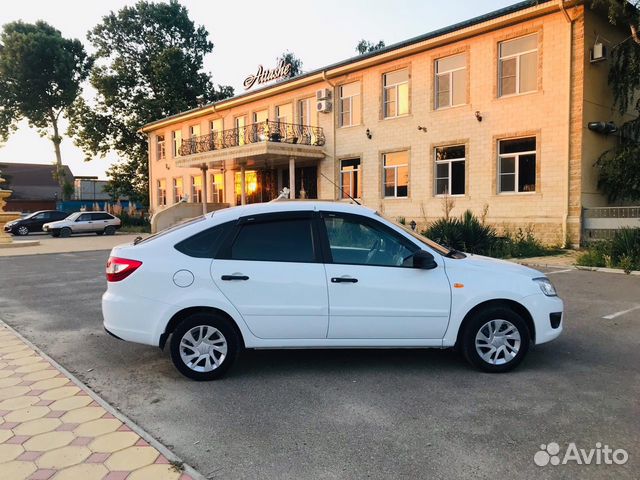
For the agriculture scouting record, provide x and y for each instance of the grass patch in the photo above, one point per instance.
(622, 251)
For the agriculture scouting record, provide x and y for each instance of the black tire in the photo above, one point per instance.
(22, 231)
(224, 329)
(99, 233)
(55, 234)
(65, 232)
(481, 321)
(110, 230)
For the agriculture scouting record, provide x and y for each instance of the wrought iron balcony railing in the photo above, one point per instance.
(267, 131)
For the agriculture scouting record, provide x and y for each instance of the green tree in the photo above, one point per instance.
(40, 77)
(291, 59)
(619, 175)
(149, 60)
(365, 46)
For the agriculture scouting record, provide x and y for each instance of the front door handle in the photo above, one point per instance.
(344, 280)
(234, 277)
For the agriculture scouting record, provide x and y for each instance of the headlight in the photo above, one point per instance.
(546, 286)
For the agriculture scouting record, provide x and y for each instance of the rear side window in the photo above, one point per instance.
(101, 216)
(59, 215)
(205, 244)
(288, 240)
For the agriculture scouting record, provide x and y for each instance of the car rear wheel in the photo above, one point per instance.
(110, 230)
(65, 232)
(496, 340)
(22, 230)
(204, 346)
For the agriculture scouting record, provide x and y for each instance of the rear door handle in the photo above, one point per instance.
(344, 280)
(234, 277)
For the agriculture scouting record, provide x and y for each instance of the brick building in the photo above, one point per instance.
(490, 113)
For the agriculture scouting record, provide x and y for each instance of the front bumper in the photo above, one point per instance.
(544, 312)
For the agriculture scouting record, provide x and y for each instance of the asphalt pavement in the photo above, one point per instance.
(355, 413)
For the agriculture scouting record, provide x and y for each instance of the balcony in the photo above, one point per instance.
(268, 131)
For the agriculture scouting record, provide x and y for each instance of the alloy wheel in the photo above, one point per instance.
(498, 342)
(22, 230)
(203, 348)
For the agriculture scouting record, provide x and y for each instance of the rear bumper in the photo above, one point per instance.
(134, 319)
(541, 308)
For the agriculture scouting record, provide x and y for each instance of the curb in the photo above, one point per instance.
(172, 457)
(581, 267)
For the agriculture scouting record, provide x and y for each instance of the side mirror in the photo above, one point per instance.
(424, 260)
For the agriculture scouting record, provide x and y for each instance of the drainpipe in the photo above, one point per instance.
(333, 87)
(565, 218)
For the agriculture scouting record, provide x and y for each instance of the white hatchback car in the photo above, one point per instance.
(100, 223)
(319, 275)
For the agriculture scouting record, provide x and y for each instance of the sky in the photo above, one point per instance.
(245, 34)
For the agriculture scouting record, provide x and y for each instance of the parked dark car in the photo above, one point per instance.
(34, 222)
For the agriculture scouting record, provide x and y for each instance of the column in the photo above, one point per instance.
(292, 178)
(204, 169)
(243, 187)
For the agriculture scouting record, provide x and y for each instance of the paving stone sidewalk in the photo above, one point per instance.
(50, 428)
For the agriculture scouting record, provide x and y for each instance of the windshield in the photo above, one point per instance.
(441, 249)
(73, 216)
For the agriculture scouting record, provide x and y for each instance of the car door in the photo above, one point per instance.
(270, 269)
(84, 223)
(100, 221)
(36, 222)
(374, 292)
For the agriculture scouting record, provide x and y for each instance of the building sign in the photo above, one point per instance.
(283, 70)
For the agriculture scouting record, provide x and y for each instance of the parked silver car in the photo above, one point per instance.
(84, 222)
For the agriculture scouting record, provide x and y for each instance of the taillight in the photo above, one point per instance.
(120, 268)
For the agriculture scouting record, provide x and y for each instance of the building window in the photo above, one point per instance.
(162, 192)
(350, 185)
(178, 190)
(176, 136)
(450, 170)
(284, 113)
(396, 93)
(215, 128)
(396, 174)
(194, 131)
(196, 189)
(517, 165)
(160, 148)
(451, 81)
(304, 113)
(518, 66)
(217, 187)
(350, 104)
(240, 123)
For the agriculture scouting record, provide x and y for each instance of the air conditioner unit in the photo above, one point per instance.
(323, 106)
(323, 94)
(598, 53)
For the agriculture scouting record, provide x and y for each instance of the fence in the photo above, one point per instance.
(600, 223)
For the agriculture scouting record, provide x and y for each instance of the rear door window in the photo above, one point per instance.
(278, 240)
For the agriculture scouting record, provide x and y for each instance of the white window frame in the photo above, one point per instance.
(194, 197)
(304, 114)
(176, 136)
(517, 56)
(449, 162)
(395, 168)
(175, 188)
(516, 173)
(351, 173)
(161, 152)
(386, 88)
(162, 192)
(351, 97)
(448, 73)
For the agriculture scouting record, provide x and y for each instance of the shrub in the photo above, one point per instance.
(466, 233)
(622, 251)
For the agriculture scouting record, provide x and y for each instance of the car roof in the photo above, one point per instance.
(233, 213)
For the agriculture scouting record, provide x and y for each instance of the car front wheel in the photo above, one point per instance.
(65, 232)
(204, 346)
(496, 340)
(22, 230)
